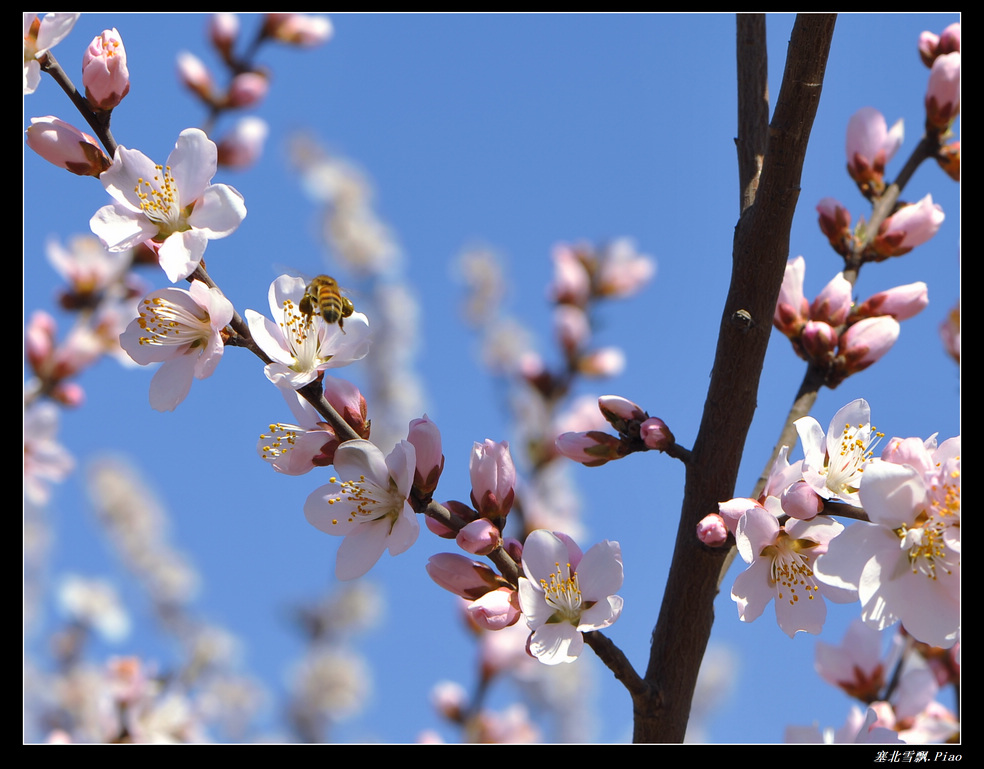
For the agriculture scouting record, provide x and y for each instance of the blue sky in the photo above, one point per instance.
(513, 132)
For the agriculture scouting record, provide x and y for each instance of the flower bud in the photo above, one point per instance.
(606, 361)
(462, 576)
(792, 309)
(931, 46)
(948, 158)
(104, 71)
(223, 29)
(943, 91)
(621, 413)
(712, 531)
(571, 280)
(833, 304)
(901, 302)
(866, 341)
(655, 434)
(870, 145)
(801, 501)
(493, 479)
(426, 441)
(819, 340)
(910, 226)
(480, 537)
(346, 399)
(495, 610)
(835, 223)
(66, 146)
(592, 448)
(195, 75)
(622, 271)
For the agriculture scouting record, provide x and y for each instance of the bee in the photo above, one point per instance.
(323, 295)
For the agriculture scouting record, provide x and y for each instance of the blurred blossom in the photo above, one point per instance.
(298, 28)
(950, 333)
(195, 75)
(223, 30)
(89, 268)
(247, 89)
(622, 270)
(571, 282)
(243, 145)
(94, 603)
(67, 147)
(45, 460)
(605, 361)
(330, 683)
(39, 38)
(104, 71)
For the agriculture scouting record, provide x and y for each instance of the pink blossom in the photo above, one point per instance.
(910, 226)
(818, 340)
(592, 448)
(247, 89)
(367, 504)
(182, 329)
(904, 565)
(45, 460)
(104, 71)
(565, 594)
(835, 223)
(856, 665)
(66, 146)
(618, 410)
(195, 75)
(173, 208)
(943, 91)
(780, 567)
(295, 449)
(622, 270)
(931, 45)
(39, 38)
(571, 281)
(223, 30)
(605, 361)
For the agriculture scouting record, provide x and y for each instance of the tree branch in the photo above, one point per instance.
(761, 248)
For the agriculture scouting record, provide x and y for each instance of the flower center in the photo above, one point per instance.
(300, 330)
(563, 594)
(367, 500)
(924, 546)
(159, 200)
(791, 570)
(169, 324)
(856, 449)
(283, 439)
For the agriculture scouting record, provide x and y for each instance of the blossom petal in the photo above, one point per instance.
(193, 163)
(599, 574)
(119, 228)
(172, 383)
(555, 643)
(219, 211)
(361, 549)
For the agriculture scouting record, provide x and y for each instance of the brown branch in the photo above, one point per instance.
(761, 248)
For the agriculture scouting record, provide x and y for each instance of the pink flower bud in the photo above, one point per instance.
(298, 28)
(495, 610)
(66, 146)
(655, 434)
(792, 309)
(943, 91)
(835, 223)
(480, 537)
(712, 530)
(932, 46)
(246, 89)
(870, 145)
(243, 145)
(833, 304)
(910, 226)
(622, 271)
(571, 326)
(819, 340)
(801, 501)
(462, 576)
(901, 302)
(866, 341)
(592, 448)
(346, 399)
(493, 478)
(621, 413)
(426, 440)
(104, 71)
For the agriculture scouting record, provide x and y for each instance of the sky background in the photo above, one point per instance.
(515, 133)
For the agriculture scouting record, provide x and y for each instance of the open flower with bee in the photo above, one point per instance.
(304, 338)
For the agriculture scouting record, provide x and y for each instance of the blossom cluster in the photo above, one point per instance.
(901, 564)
